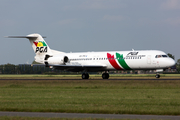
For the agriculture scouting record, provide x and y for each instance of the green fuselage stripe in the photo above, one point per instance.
(122, 61)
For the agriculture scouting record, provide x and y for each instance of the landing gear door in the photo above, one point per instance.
(149, 59)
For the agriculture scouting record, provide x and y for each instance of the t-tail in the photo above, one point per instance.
(40, 47)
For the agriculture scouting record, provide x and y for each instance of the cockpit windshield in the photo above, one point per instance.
(161, 56)
(164, 56)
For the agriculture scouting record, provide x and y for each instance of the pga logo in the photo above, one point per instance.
(132, 53)
(41, 49)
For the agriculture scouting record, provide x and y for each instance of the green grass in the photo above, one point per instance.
(42, 118)
(87, 96)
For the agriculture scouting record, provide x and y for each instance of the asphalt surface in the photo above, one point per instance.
(84, 115)
(99, 79)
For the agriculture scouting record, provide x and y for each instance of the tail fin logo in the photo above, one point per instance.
(40, 46)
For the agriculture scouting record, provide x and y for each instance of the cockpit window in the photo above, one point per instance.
(164, 56)
(160, 56)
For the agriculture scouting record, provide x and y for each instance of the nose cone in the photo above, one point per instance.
(171, 62)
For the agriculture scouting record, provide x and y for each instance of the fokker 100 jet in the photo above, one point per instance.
(98, 61)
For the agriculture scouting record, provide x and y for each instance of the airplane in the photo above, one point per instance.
(98, 61)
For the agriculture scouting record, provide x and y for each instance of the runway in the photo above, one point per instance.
(98, 79)
(85, 115)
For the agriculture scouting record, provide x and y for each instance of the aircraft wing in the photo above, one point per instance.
(78, 68)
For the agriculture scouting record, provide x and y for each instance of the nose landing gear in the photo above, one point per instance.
(157, 75)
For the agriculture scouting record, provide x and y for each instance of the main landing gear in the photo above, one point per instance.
(105, 75)
(86, 76)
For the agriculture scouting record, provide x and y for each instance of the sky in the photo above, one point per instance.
(89, 25)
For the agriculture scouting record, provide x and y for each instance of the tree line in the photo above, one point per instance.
(25, 69)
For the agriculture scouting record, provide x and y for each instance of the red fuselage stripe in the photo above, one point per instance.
(113, 61)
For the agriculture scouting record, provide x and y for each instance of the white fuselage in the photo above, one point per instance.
(122, 60)
(97, 61)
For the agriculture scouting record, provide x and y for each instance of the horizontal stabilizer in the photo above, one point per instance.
(28, 37)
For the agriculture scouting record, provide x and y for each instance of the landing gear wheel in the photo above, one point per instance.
(157, 76)
(85, 76)
(105, 75)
